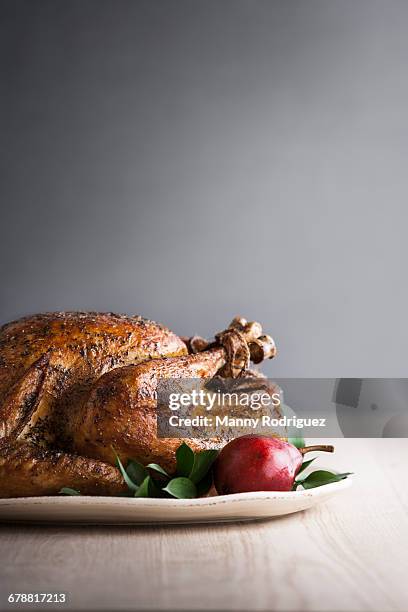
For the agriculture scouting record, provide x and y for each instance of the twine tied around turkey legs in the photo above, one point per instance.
(243, 342)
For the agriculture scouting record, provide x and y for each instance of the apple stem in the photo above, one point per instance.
(328, 448)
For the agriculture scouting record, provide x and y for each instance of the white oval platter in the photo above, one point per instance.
(125, 510)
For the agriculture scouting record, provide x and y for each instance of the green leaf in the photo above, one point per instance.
(202, 463)
(298, 442)
(143, 490)
(136, 472)
(305, 464)
(205, 484)
(155, 489)
(320, 478)
(185, 460)
(182, 488)
(157, 468)
(132, 486)
(69, 491)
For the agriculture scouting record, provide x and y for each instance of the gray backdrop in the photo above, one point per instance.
(194, 160)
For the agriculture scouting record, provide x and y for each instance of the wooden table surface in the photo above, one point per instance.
(348, 554)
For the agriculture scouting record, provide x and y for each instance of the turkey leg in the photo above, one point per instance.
(120, 414)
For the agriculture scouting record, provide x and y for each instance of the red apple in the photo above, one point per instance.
(258, 463)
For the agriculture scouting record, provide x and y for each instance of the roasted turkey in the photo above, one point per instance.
(75, 385)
